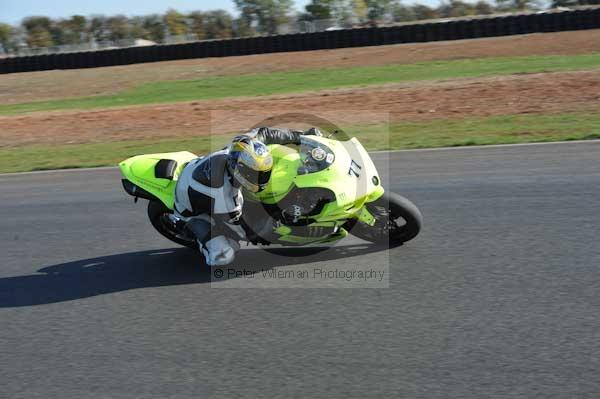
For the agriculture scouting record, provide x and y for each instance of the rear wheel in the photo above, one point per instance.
(397, 220)
(159, 217)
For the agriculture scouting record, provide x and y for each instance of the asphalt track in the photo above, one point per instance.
(497, 298)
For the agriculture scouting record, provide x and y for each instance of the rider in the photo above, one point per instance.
(209, 197)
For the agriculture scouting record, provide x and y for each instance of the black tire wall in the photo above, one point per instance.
(425, 32)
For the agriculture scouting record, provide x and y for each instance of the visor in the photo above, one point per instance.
(253, 177)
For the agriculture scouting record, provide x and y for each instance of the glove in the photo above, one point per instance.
(313, 131)
(220, 251)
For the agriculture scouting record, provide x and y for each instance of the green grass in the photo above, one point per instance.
(441, 133)
(309, 80)
(508, 129)
(89, 155)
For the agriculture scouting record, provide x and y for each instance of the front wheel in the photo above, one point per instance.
(397, 220)
(159, 217)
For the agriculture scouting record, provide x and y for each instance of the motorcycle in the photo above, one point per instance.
(319, 192)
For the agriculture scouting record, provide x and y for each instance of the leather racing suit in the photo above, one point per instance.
(210, 201)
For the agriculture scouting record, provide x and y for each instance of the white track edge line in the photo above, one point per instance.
(484, 146)
(465, 147)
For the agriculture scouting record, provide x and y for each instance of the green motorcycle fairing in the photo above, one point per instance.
(343, 167)
(140, 171)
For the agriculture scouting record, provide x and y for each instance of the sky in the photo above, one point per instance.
(13, 11)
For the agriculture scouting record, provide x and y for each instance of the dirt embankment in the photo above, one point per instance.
(418, 101)
(36, 86)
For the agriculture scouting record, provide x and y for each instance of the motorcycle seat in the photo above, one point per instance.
(165, 169)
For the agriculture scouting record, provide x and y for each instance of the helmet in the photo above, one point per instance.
(250, 163)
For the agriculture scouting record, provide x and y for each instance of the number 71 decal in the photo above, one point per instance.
(354, 169)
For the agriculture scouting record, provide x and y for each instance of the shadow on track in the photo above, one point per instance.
(90, 277)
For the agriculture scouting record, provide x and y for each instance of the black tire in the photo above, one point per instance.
(388, 211)
(157, 213)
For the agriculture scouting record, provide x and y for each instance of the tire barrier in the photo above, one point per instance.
(413, 33)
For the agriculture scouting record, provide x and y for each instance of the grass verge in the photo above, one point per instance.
(440, 133)
(310, 80)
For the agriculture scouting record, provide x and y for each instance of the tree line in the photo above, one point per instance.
(255, 17)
